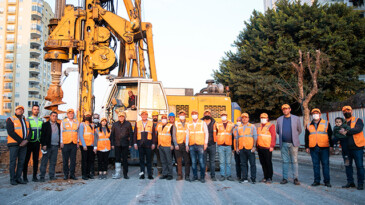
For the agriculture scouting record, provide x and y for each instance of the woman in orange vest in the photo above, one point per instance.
(102, 147)
(266, 140)
(355, 145)
(318, 142)
(86, 141)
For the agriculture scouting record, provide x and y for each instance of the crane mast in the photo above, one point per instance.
(84, 36)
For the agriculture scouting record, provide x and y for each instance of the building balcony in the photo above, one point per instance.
(8, 79)
(12, 2)
(34, 70)
(33, 97)
(36, 14)
(6, 99)
(10, 40)
(35, 42)
(6, 109)
(34, 80)
(35, 51)
(34, 89)
(8, 89)
(34, 61)
(34, 32)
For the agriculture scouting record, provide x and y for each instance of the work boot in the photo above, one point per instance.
(202, 180)
(90, 176)
(13, 182)
(84, 177)
(101, 176)
(230, 178)
(73, 177)
(349, 185)
(263, 180)
(118, 168)
(20, 181)
(163, 177)
(126, 177)
(315, 184)
(360, 187)
(35, 179)
(150, 177)
(187, 178)
(269, 181)
(25, 179)
(213, 178)
(42, 179)
(296, 181)
(179, 178)
(141, 176)
(222, 178)
(327, 184)
(284, 181)
(253, 180)
(169, 177)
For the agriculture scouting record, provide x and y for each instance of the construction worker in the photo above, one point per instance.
(237, 154)
(212, 147)
(50, 142)
(266, 140)
(223, 137)
(144, 142)
(355, 145)
(156, 151)
(96, 120)
(165, 145)
(102, 147)
(86, 142)
(121, 138)
(179, 136)
(33, 145)
(196, 143)
(289, 127)
(244, 144)
(18, 129)
(318, 142)
(69, 145)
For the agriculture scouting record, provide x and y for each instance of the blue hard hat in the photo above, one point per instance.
(172, 114)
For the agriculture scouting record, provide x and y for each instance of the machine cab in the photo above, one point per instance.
(132, 95)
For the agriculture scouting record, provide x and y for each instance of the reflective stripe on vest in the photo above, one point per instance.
(103, 141)
(224, 135)
(318, 136)
(164, 135)
(18, 128)
(88, 135)
(181, 132)
(148, 128)
(264, 135)
(69, 133)
(35, 128)
(196, 135)
(244, 136)
(359, 138)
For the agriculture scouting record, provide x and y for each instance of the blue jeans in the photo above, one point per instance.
(197, 153)
(356, 155)
(321, 156)
(289, 154)
(225, 157)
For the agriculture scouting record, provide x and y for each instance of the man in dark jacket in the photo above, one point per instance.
(18, 129)
(212, 149)
(121, 138)
(50, 142)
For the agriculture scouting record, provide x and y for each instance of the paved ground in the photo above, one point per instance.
(135, 191)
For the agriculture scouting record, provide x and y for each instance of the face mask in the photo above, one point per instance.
(239, 123)
(263, 121)
(206, 118)
(194, 117)
(164, 121)
(155, 120)
(96, 120)
(224, 118)
(315, 116)
(182, 117)
(347, 114)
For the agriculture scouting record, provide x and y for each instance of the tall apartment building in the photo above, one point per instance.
(24, 75)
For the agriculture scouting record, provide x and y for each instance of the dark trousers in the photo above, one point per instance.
(159, 164)
(145, 158)
(210, 152)
(50, 156)
(265, 157)
(180, 155)
(357, 156)
(32, 149)
(166, 160)
(238, 165)
(16, 153)
(321, 156)
(247, 156)
(197, 153)
(103, 158)
(121, 152)
(69, 154)
(87, 161)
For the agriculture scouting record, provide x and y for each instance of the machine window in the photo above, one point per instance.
(151, 97)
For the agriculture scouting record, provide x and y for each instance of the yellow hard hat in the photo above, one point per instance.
(154, 113)
(264, 115)
(316, 110)
(245, 114)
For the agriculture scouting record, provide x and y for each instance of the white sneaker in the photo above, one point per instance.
(245, 181)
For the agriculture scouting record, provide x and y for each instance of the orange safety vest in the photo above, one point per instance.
(88, 135)
(141, 129)
(359, 138)
(264, 135)
(69, 133)
(181, 132)
(224, 135)
(164, 134)
(244, 136)
(18, 128)
(320, 136)
(103, 140)
(196, 135)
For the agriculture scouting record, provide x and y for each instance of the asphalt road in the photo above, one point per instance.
(135, 191)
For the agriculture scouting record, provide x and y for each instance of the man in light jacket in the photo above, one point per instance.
(288, 128)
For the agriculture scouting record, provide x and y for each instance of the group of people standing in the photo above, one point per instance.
(191, 143)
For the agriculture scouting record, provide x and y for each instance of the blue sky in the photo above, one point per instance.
(190, 38)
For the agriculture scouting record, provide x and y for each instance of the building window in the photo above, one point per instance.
(8, 86)
(7, 106)
(9, 66)
(16, 85)
(17, 94)
(10, 47)
(10, 37)
(16, 104)
(17, 75)
(10, 27)
(11, 9)
(11, 18)
(9, 56)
